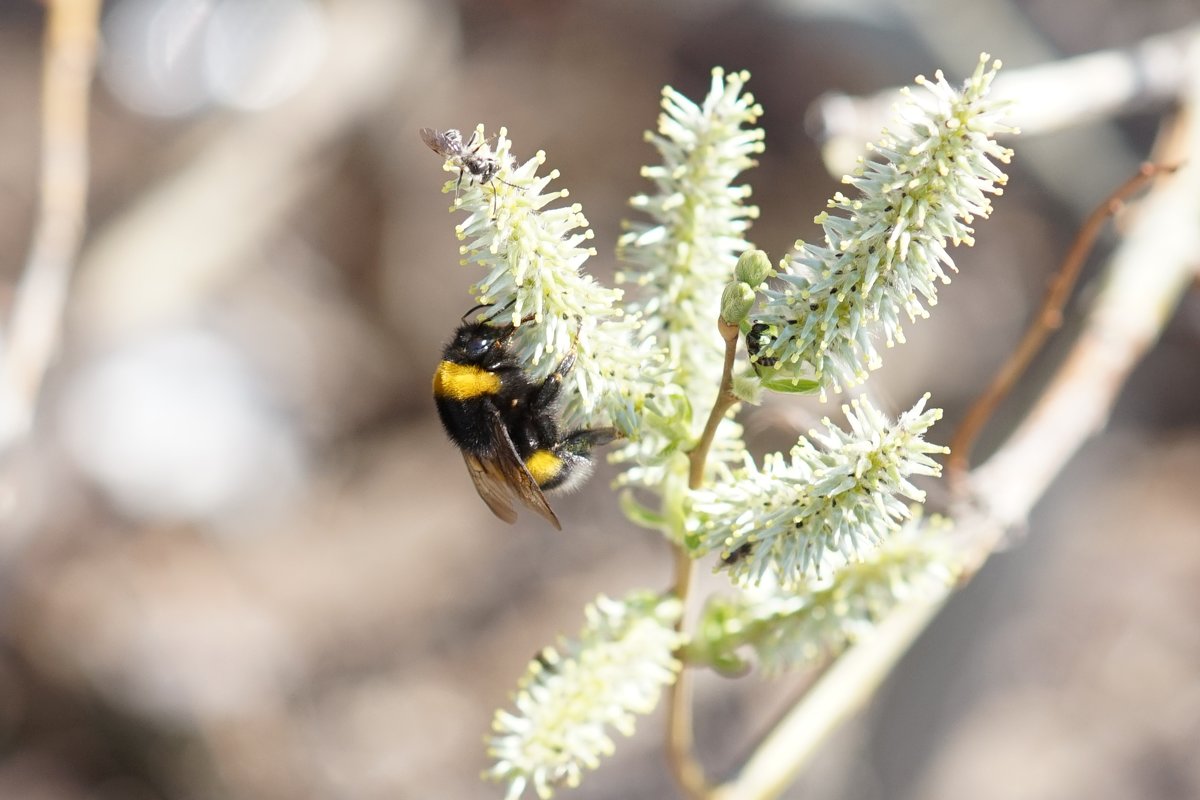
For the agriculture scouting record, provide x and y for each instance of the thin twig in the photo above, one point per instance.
(680, 737)
(1148, 274)
(1048, 319)
(35, 324)
(725, 401)
(1052, 96)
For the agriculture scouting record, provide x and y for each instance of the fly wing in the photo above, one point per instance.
(444, 143)
(433, 140)
(501, 474)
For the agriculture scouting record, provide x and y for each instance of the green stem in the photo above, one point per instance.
(680, 740)
(680, 737)
(725, 401)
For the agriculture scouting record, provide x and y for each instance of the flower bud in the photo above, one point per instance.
(736, 302)
(753, 268)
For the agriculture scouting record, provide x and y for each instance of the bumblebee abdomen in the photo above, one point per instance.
(545, 467)
(453, 381)
(558, 470)
(466, 423)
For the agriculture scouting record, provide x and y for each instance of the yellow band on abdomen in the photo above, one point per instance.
(543, 465)
(463, 381)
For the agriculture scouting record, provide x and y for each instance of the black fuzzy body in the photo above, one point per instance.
(506, 425)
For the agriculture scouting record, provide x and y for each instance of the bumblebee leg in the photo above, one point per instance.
(582, 441)
(550, 388)
(542, 423)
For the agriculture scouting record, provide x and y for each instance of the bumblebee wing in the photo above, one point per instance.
(505, 474)
(489, 482)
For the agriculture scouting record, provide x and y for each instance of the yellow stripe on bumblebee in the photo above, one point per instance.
(543, 465)
(464, 381)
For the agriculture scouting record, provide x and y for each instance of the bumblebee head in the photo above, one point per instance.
(481, 344)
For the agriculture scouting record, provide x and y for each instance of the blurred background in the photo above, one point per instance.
(239, 560)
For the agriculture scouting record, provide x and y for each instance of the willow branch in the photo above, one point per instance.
(1148, 274)
(725, 401)
(1045, 322)
(1054, 95)
(680, 737)
(35, 324)
(681, 759)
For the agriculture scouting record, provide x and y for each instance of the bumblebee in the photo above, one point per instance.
(506, 425)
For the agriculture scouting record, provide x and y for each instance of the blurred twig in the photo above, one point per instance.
(1051, 96)
(35, 322)
(1147, 276)
(1047, 320)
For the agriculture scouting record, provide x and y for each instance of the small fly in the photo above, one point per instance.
(449, 144)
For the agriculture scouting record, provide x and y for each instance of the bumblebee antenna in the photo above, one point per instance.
(497, 313)
(472, 310)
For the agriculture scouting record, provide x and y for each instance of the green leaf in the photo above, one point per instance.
(792, 385)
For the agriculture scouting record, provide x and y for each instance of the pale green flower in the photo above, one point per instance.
(806, 516)
(533, 251)
(698, 220)
(885, 251)
(682, 257)
(820, 617)
(572, 698)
